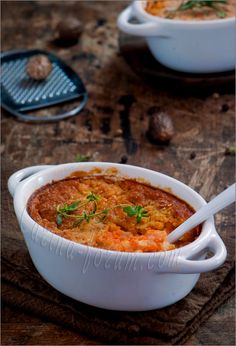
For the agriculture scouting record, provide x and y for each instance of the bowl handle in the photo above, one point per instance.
(216, 245)
(143, 29)
(20, 175)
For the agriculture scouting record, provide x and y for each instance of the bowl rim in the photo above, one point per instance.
(138, 6)
(203, 239)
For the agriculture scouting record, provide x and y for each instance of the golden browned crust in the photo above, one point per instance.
(117, 230)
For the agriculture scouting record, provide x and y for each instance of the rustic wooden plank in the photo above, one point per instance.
(24, 329)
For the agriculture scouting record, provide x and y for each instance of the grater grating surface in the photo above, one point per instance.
(21, 93)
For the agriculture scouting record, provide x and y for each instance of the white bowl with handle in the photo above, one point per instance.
(111, 279)
(203, 46)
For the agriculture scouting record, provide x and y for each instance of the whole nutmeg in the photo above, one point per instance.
(68, 31)
(39, 67)
(161, 129)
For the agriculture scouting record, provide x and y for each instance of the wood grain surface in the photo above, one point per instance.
(112, 128)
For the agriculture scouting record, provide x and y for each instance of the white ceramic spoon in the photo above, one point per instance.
(219, 202)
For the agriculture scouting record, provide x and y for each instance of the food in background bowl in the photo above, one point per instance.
(191, 10)
(109, 213)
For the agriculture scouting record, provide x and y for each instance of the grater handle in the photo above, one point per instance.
(50, 118)
(22, 174)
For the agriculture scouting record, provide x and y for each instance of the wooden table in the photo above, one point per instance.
(113, 128)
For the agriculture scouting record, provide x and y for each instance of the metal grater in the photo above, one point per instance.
(20, 93)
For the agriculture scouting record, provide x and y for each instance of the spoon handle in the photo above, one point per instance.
(219, 202)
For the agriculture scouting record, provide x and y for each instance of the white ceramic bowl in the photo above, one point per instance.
(190, 46)
(111, 279)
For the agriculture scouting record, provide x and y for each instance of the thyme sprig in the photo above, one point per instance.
(92, 197)
(88, 216)
(67, 211)
(137, 211)
(191, 4)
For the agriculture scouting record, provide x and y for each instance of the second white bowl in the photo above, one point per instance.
(205, 46)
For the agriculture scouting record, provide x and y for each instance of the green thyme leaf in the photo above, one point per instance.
(105, 211)
(86, 216)
(92, 197)
(191, 4)
(186, 5)
(221, 14)
(82, 158)
(140, 214)
(73, 206)
(130, 210)
(137, 211)
(59, 219)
